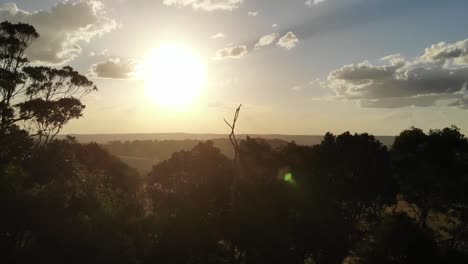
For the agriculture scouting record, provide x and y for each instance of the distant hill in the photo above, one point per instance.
(143, 151)
(143, 154)
(299, 139)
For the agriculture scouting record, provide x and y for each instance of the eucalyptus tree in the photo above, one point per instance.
(43, 98)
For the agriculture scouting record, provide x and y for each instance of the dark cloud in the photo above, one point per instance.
(398, 102)
(114, 69)
(460, 103)
(231, 52)
(400, 83)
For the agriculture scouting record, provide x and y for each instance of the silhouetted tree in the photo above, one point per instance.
(432, 169)
(319, 228)
(398, 240)
(190, 195)
(69, 203)
(14, 40)
(357, 171)
(51, 97)
(261, 223)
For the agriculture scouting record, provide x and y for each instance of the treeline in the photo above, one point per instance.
(346, 200)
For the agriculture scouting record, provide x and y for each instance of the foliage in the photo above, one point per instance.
(432, 169)
(43, 98)
(398, 239)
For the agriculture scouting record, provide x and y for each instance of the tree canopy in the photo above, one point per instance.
(43, 98)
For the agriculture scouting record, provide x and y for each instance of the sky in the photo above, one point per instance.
(297, 66)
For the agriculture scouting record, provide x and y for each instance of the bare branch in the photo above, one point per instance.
(235, 146)
(228, 123)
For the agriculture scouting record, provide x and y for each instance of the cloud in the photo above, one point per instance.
(437, 77)
(62, 29)
(319, 83)
(441, 52)
(267, 40)
(313, 2)
(252, 13)
(392, 58)
(206, 5)
(218, 35)
(296, 88)
(114, 69)
(398, 102)
(231, 52)
(399, 115)
(104, 52)
(274, 25)
(461, 103)
(288, 41)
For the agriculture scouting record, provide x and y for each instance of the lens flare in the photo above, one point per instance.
(289, 178)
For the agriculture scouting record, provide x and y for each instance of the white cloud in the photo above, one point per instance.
(274, 25)
(231, 52)
(288, 41)
(318, 83)
(207, 5)
(218, 35)
(62, 29)
(253, 13)
(392, 58)
(438, 77)
(104, 52)
(114, 69)
(296, 88)
(267, 40)
(441, 52)
(313, 2)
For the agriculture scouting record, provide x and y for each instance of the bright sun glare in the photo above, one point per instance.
(174, 75)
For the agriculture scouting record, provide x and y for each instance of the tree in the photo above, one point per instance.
(432, 169)
(46, 98)
(259, 162)
(69, 203)
(53, 99)
(14, 40)
(398, 240)
(190, 196)
(320, 230)
(357, 169)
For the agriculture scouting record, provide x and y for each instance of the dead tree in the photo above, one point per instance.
(236, 164)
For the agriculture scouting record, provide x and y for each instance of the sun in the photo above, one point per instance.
(174, 76)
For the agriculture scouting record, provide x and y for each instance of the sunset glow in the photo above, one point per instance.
(233, 131)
